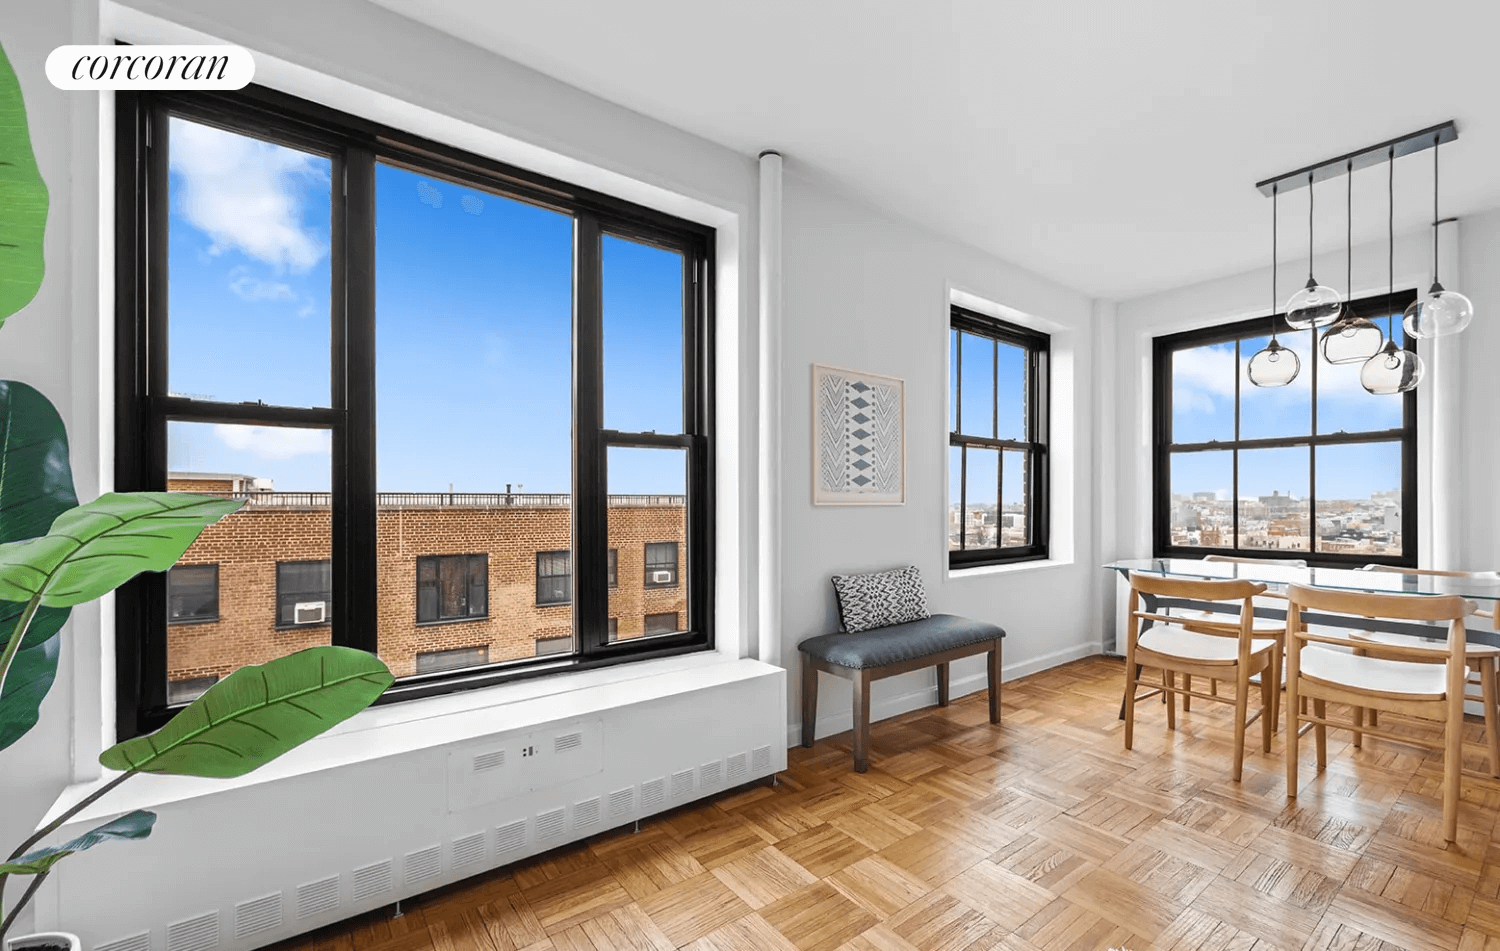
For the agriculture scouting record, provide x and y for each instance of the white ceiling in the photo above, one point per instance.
(1112, 146)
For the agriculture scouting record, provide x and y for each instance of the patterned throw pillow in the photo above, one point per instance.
(880, 599)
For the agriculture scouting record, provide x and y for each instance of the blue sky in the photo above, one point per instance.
(473, 326)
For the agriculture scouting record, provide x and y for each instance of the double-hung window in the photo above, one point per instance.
(997, 441)
(357, 332)
(661, 564)
(1318, 470)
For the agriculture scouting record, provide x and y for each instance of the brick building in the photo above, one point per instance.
(464, 578)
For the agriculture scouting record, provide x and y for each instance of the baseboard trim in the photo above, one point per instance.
(843, 721)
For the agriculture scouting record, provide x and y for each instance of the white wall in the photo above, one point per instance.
(1478, 276)
(867, 292)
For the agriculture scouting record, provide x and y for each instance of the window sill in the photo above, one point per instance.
(979, 571)
(453, 620)
(381, 732)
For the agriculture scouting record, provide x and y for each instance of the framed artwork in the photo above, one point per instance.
(859, 438)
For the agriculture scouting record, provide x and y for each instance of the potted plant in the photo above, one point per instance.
(55, 553)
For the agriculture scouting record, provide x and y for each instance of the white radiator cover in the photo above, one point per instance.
(257, 864)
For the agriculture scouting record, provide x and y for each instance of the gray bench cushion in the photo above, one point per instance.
(899, 642)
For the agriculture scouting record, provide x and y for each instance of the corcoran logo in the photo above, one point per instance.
(150, 67)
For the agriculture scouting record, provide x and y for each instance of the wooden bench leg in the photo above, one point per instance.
(992, 663)
(942, 674)
(809, 702)
(861, 682)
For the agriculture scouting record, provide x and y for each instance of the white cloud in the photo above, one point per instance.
(250, 288)
(273, 442)
(243, 193)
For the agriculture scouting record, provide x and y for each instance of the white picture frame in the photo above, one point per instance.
(858, 437)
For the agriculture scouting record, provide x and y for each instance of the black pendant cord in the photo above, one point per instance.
(1436, 141)
(1310, 190)
(1349, 238)
(1390, 260)
(1274, 190)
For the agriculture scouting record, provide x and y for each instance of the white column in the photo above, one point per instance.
(769, 540)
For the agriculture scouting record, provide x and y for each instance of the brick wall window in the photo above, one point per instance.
(554, 645)
(193, 594)
(554, 577)
(661, 624)
(452, 588)
(431, 662)
(614, 567)
(304, 592)
(661, 564)
(189, 689)
(614, 629)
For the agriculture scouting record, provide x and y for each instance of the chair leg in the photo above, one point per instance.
(1213, 687)
(1487, 684)
(1169, 687)
(992, 669)
(1278, 657)
(1268, 701)
(1241, 710)
(809, 702)
(1130, 679)
(1187, 698)
(1293, 725)
(942, 681)
(1359, 712)
(1320, 732)
(1453, 753)
(861, 683)
(1127, 710)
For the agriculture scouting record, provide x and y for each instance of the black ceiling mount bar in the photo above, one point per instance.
(1412, 142)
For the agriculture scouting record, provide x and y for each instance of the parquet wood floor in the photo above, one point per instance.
(1040, 833)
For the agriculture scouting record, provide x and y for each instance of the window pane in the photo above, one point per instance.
(1274, 503)
(554, 577)
(983, 480)
(1014, 532)
(977, 400)
(429, 662)
(1010, 370)
(642, 337)
(648, 527)
(474, 307)
(1267, 411)
(1359, 498)
(955, 498)
(953, 380)
(662, 624)
(1345, 406)
(283, 474)
(1203, 393)
(192, 594)
(1202, 493)
(248, 303)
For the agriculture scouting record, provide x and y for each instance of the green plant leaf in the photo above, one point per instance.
(134, 825)
(98, 546)
(26, 684)
(23, 200)
(258, 713)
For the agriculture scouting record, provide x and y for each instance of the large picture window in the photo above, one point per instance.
(357, 331)
(1319, 470)
(997, 441)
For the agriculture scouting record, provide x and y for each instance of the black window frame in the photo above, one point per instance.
(294, 598)
(213, 618)
(468, 561)
(144, 405)
(649, 566)
(550, 599)
(1038, 349)
(1374, 308)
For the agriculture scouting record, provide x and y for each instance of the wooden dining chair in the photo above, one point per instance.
(1173, 649)
(1483, 659)
(1400, 680)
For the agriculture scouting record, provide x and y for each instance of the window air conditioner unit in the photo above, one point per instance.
(309, 612)
(661, 577)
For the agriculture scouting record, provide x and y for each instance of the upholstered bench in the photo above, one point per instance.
(870, 655)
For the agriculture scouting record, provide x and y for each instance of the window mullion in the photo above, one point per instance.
(590, 477)
(355, 566)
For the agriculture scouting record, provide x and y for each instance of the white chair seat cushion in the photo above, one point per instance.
(1175, 642)
(1373, 674)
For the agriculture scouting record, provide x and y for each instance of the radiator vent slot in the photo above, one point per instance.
(135, 942)
(738, 771)
(709, 773)
(372, 880)
(424, 864)
(314, 898)
(620, 802)
(194, 934)
(585, 814)
(257, 915)
(567, 742)
(510, 837)
(468, 850)
(760, 760)
(653, 793)
(485, 762)
(682, 784)
(549, 823)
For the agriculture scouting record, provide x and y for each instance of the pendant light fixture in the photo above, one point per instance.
(1275, 365)
(1314, 305)
(1352, 339)
(1394, 369)
(1441, 312)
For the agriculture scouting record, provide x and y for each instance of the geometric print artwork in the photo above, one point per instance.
(858, 438)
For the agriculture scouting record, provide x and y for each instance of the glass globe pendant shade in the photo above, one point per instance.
(1351, 339)
(1440, 313)
(1313, 306)
(1391, 371)
(1274, 366)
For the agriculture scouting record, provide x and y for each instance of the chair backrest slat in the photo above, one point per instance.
(1404, 607)
(1197, 589)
